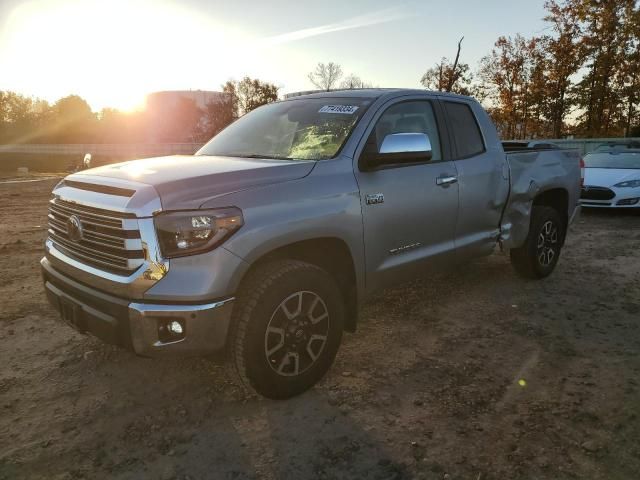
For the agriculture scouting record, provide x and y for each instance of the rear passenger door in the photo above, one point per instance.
(483, 184)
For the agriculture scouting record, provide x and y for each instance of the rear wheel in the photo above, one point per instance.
(286, 328)
(538, 257)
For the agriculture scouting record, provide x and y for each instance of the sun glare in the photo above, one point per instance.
(114, 53)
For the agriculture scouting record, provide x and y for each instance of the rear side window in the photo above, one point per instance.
(466, 133)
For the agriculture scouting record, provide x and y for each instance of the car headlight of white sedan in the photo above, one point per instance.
(628, 184)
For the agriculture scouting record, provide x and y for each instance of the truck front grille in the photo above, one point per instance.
(105, 239)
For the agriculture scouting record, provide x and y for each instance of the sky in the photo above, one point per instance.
(114, 52)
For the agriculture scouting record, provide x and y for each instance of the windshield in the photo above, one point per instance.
(305, 129)
(613, 160)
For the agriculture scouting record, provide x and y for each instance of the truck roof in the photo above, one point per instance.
(370, 93)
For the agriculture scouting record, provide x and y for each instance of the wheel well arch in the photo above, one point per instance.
(333, 255)
(558, 199)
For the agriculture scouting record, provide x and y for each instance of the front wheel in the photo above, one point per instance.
(286, 328)
(538, 257)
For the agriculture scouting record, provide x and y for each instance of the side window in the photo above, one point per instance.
(410, 117)
(466, 133)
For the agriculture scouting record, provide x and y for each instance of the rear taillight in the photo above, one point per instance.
(581, 172)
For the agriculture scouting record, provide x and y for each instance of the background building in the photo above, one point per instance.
(171, 98)
(174, 116)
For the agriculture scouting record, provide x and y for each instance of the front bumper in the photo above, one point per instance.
(617, 198)
(609, 204)
(137, 325)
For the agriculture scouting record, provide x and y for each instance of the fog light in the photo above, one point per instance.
(175, 327)
(628, 201)
(170, 330)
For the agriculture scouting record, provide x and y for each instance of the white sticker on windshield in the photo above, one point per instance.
(348, 109)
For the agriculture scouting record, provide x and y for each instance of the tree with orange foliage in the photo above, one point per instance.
(605, 37)
(508, 75)
(563, 58)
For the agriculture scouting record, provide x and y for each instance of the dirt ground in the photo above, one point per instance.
(475, 374)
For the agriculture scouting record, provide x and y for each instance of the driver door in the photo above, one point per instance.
(409, 208)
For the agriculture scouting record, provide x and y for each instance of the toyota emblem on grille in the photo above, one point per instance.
(74, 228)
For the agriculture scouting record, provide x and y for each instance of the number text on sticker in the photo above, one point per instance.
(348, 109)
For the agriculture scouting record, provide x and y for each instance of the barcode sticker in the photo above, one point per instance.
(346, 109)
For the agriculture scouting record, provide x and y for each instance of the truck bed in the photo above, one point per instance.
(532, 171)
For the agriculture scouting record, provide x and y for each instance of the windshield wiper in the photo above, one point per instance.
(251, 155)
(267, 157)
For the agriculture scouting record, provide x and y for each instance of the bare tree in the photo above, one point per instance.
(449, 77)
(454, 69)
(354, 81)
(326, 75)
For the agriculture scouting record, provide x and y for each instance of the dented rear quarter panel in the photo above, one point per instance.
(531, 174)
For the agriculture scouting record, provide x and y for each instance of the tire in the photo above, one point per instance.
(539, 255)
(283, 310)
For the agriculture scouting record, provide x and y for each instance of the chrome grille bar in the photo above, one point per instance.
(110, 240)
(118, 230)
(115, 222)
(89, 252)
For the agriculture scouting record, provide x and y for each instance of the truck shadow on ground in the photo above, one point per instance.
(131, 417)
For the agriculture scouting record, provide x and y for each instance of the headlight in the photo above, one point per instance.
(628, 184)
(191, 232)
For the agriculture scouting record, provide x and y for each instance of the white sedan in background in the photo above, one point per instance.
(612, 179)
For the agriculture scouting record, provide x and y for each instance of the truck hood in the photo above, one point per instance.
(186, 181)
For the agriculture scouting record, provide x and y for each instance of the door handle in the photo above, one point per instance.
(446, 180)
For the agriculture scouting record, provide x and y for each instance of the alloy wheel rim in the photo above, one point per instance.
(296, 334)
(547, 243)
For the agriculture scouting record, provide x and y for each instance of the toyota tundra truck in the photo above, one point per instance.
(265, 243)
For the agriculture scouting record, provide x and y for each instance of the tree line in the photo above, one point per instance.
(70, 120)
(581, 77)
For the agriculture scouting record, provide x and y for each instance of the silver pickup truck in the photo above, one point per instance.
(264, 244)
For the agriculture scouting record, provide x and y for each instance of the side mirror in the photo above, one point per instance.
(402, 148)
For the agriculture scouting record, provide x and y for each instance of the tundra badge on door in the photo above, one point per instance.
(374, 198)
